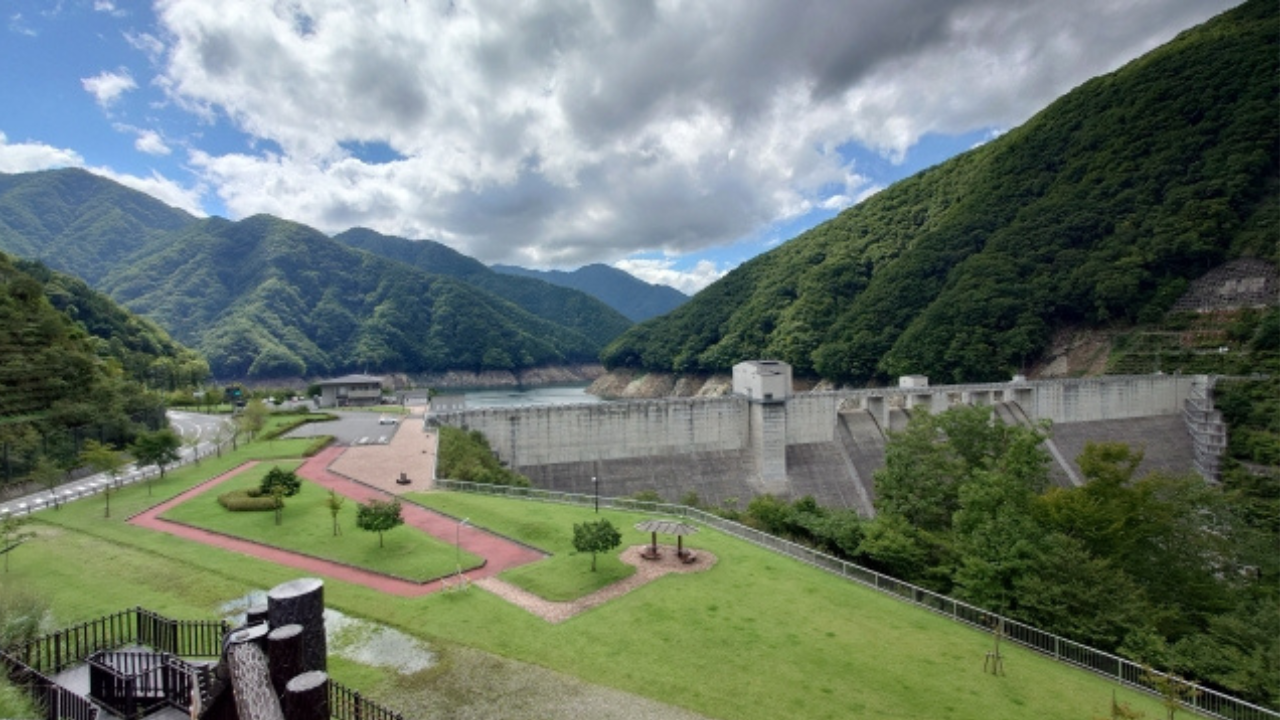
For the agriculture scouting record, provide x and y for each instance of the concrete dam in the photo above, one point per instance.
(765, 439)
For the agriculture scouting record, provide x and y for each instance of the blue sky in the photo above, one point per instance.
(672, 139)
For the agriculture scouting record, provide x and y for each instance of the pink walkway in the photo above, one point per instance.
(499, 553)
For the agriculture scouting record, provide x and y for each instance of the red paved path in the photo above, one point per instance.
(498, 553)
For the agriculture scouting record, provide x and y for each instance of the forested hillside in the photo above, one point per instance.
(79, 223)
(1098, 211)
(265, 297)
(59, 381)
(629, 295)
(575, 310)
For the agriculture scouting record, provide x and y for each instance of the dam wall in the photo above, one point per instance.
(827, 444)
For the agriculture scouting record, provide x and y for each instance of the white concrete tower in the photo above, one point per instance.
(766, 384)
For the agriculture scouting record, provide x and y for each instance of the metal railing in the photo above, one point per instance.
(1196, 697)
(348, 704)
(54, 701)
(55, 652)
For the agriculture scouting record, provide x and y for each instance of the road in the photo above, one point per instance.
(186, 424)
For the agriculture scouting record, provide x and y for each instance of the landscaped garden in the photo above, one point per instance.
(307, 526)
(756, 636)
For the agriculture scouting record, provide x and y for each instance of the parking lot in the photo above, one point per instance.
(355, 428)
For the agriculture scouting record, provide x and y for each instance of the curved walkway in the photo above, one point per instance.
(499, 553)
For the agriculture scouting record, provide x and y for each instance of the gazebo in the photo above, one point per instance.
(667, 527)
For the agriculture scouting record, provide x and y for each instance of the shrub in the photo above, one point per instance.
(251, 500)
(288, 482)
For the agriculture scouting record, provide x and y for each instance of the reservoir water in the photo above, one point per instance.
(512, 397)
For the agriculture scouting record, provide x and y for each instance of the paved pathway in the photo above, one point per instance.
(499, 553)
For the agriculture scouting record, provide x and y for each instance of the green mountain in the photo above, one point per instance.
(575, 310)
(629, 295)
(1097, 211)
(73, 364)
(265, 297)
(79, 223)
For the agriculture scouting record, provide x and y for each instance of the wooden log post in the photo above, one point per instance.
(284, 655)
(256, 614)
(306, 697)
(301, 602)
(255, 699)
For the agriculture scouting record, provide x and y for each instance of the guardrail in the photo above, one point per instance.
(53, 700)
(348, 704)
(1196, 697)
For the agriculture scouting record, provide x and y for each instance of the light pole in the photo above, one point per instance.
(596, 484)
(457, 547)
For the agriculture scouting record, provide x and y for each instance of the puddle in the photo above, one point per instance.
(362, 641)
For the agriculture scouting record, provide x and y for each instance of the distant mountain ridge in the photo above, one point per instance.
(568, 307)
(1097, 211)
(268, 298)
(636, 299)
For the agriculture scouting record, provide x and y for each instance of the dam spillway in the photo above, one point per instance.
(825, 444)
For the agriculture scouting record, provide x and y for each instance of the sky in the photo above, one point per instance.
(673, 139)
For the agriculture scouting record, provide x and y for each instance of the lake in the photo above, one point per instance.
(511, 397)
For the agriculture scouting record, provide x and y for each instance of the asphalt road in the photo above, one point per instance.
(204, 427)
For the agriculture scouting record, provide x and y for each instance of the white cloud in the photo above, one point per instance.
(663, 272)
(159, 187)
(559, 133)
(29, 157)
(108, 7)
(107, 87)
(149, 44)
(150, 142)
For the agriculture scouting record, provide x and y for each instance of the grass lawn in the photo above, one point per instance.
(565, 574)
(758, 636)
(307, 527)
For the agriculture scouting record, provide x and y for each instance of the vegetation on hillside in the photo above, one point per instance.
(60, 385)
(1099, 210)
(573, 309)
(265, 298)
(466, 455)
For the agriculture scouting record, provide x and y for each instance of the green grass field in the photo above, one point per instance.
(758, 636)
(307, 527)
(565, 574)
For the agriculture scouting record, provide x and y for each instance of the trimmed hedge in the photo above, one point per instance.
(250, 500)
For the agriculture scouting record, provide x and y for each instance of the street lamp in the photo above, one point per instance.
(596, 484)
(456, 546)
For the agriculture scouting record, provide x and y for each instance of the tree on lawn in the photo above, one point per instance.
(157, 448)
(192, 441)
(286, 480)
(49, 475)
(253, 418)
(335, 503)
(379, 516)
(104, 459)
(12, 535)
(595, 537)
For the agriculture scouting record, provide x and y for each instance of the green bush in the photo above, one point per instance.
(287, 481)
(467, 456)
(251, 500)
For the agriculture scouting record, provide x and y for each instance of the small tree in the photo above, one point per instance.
(379, 516)
(595, 537)
(253, 418)
(335, 503)
(49, 475)
(102, 458)
(191, 441)
(157, 448)
(287, 482)
(12, 535)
